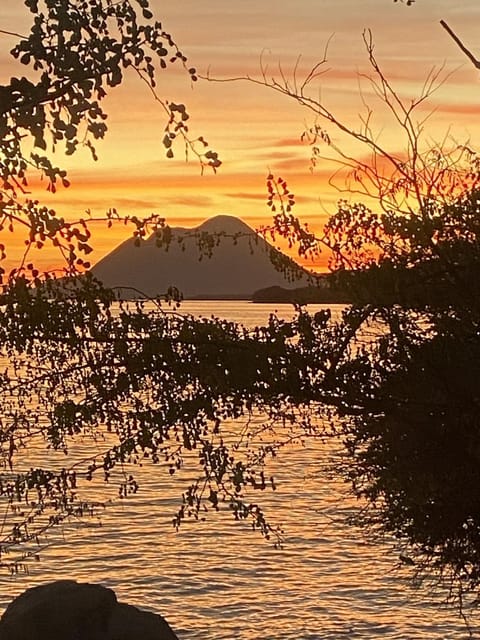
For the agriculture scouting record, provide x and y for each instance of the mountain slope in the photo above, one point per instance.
(239, 265)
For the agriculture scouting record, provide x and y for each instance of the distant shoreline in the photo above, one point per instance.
(325, 294)
(270, 295)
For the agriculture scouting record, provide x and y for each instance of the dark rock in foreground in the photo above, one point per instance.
(67, 610)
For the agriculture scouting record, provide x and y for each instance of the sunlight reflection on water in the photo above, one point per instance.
(219, 580)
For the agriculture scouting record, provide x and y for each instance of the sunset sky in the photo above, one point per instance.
(253, 129)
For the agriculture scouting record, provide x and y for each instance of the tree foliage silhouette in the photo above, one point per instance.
(403, 375)
(395, 379)
(75, 53)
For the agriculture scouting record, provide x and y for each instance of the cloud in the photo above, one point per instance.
(188, 201)
(460, 109)
(246, 195)
(290, 165)
(280, 160)
(262, 197)
(288, 142)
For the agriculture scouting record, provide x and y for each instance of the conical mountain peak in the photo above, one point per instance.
(225, 224)
(234, 267)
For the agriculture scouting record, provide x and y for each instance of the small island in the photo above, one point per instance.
(325, 292)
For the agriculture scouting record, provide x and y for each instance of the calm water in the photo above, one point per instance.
(219, 580)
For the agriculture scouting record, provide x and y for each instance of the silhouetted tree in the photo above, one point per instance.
(75, 53)
(403, 367)
(396, 376)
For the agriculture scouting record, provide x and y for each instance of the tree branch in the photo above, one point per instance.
(467, 52)
(13, 33)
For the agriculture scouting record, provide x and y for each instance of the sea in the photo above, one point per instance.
(217, 579)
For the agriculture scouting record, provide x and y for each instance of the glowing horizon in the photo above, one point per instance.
(254, 130)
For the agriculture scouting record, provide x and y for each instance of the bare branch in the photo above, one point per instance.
(467, 52)
(13, 33)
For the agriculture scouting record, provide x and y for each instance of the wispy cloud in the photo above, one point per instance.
(199, 202)
(262, 197)
(252, 128)
(246, 195)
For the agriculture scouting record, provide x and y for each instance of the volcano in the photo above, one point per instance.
(223, 258)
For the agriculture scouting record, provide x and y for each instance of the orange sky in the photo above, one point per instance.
(254, 130)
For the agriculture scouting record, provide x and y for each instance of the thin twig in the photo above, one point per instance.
(13, 33)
